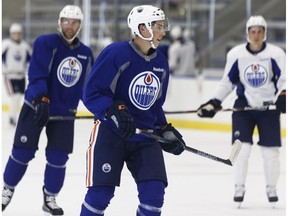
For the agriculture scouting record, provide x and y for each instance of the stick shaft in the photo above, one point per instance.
(65, 118)
(189, 149)
(264, 108)
(247, 108)
(210, 156)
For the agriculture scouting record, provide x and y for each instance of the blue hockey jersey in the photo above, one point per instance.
(59, 71)
(122, 72)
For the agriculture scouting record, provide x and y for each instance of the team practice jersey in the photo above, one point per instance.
(59, 73)
(259, 77)
(15, 58)
(182, 57)
(122, 72)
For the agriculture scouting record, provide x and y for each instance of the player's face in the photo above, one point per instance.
(158, 29)
(69, 27)
(16, 36)
(256, 35)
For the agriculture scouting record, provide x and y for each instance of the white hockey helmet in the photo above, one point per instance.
(71, 12)
(15, 27)
(256, 21)
(176, 32)
(145, 14)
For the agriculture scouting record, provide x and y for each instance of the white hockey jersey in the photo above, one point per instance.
(182, 58)
(259, 77)
(15, 58)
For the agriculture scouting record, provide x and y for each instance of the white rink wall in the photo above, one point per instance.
(185, 93)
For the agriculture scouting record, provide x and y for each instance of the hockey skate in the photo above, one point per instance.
(239, 194)
(7, 195)
(50, 206)
(12, 122)
(272, 195)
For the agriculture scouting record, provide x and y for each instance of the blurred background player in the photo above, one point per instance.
(16, 55)
(258, 70)
(125, 90)
(181, 53)
(57, 72)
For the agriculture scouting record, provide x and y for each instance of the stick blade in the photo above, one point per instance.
(236, 147)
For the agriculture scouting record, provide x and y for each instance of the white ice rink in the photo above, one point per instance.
(197, 186)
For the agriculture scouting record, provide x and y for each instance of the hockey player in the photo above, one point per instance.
(126, 90)
(16, 55)
(58, 68)
(182, 53)
(258, 70)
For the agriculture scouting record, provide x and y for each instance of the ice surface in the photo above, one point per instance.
(197, 186)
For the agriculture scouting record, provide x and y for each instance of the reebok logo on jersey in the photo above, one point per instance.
(255, 75)
(158, 69)
(82, 56)
(144, 90)
(69, 71)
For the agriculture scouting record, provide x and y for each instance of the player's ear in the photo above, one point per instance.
(143, 30)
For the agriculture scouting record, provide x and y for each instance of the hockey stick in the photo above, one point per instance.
(7, 73)
(264, 108)
(247, 108)
(64, 118)
(230, 161)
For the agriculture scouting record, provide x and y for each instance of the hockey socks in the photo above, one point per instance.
(55, 171)
(15, 169)
(151, 197)
(271, 164)
(96, 200)
(17, 165)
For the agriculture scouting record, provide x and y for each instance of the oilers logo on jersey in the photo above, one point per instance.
(106, 168)
(69, 71)
(17, 56)
(255, 75)
(144, 89)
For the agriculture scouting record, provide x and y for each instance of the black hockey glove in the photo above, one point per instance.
(209, 109)
(41, 104)
(281, 102)
(119, 114)
(176, 144)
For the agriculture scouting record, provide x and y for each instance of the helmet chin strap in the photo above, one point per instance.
(152, 44)
(150, 39)
(68, 40)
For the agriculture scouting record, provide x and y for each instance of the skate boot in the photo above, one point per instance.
(12, 122)
(239, 194)
(50, 206)
(271, 194)
(7, 195)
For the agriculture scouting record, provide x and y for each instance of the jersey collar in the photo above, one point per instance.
(255, 52)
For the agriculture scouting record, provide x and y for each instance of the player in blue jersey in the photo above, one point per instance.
(59, 66)
(126, 90)
(258, 70)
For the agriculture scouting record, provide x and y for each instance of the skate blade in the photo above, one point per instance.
(273, 205)
(49, 214)
(239, 205)
(46, 214)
